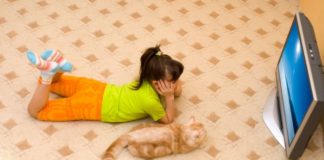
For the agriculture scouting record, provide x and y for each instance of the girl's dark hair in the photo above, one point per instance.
(155, 65)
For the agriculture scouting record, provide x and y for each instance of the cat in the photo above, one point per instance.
(155, 140)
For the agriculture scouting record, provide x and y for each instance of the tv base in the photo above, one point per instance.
(271, 117)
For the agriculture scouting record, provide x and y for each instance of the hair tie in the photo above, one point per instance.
(159, 53)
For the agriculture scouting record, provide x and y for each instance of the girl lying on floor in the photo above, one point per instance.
(89, 99)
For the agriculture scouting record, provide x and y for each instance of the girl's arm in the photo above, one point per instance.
(166, 89)
(169, 110)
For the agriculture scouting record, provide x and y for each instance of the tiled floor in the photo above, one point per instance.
(229, 49)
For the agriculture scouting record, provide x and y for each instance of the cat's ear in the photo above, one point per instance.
(192, 120)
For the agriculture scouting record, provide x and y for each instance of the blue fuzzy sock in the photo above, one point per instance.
(48, 69)
(56, 56)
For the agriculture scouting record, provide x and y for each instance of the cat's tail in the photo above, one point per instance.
(115, 148)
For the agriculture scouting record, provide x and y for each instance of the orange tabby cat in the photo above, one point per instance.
(155, 140)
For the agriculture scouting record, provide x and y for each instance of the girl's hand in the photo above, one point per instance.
(165, 88)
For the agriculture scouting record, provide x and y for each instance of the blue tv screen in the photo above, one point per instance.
(295, 84)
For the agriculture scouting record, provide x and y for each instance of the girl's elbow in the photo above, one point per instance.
(178, 91)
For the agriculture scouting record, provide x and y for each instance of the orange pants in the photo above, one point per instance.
(82, 100)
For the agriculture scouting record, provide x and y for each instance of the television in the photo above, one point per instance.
(296, 104)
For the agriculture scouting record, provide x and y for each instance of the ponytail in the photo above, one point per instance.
(146, 58)
(148, 55)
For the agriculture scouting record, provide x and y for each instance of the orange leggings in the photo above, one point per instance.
(82, 100)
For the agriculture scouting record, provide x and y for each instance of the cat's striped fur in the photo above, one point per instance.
(156, 140)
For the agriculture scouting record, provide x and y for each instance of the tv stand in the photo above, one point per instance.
(271, 117)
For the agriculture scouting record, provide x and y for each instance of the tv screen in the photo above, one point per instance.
(300, 89)
(294, 80)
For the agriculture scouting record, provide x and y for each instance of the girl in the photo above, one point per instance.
(88, 99)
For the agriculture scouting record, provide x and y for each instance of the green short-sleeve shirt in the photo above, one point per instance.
(122, 103)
